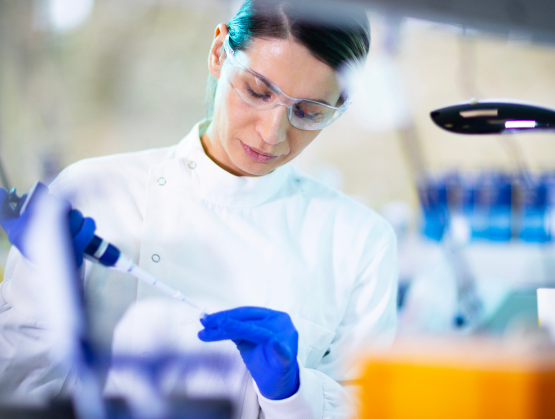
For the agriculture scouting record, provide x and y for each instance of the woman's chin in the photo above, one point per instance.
(258, 172)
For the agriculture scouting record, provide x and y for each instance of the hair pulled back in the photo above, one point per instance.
(337, 36)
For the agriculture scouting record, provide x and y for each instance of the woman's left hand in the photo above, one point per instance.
(267, 341)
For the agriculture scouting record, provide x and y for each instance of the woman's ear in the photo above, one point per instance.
(215, 60)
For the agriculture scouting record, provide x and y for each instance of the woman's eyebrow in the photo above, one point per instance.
(268, 83)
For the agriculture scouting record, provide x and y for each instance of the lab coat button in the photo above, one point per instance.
(192, 165)
(161, 181)
(155, 258)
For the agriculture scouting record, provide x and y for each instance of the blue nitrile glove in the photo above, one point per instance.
(15, 225)
(82, 232)
(267, 341)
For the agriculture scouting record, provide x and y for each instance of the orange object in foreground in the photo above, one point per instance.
(469, 379)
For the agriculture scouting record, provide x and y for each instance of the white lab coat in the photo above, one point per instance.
(282, 241)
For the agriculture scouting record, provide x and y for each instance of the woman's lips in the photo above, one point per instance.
(257, 155)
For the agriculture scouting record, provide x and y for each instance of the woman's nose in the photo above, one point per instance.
(275, 123)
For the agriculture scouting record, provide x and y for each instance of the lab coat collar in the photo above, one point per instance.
(218, 186)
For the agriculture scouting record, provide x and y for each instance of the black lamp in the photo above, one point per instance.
(491, 117)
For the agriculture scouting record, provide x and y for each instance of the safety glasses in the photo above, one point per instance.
(261, 94)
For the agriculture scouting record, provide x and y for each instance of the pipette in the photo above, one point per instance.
(100, 251)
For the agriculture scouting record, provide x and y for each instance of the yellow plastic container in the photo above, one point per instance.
(459, 380)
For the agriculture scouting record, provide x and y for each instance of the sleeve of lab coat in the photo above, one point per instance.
(28, 374)
(368, 324)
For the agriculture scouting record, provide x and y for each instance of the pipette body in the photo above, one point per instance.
(105, 253)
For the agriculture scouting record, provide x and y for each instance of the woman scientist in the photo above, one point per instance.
(299, 277)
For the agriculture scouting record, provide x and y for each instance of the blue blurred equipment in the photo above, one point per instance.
(497, 206)
(268, 343)
(443, 202)
(493, 196)
(534, 217)
(433, 198)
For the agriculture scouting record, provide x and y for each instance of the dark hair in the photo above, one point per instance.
(335, 35)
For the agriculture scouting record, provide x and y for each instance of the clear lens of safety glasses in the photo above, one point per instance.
(261, 94)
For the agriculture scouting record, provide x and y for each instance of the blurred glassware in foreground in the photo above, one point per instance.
(474, 378)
